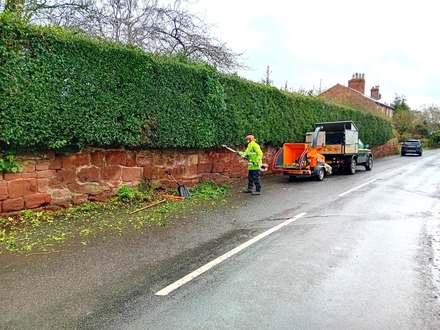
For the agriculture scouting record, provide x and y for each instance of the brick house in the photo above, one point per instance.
(354, 96)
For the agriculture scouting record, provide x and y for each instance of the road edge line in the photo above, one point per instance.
(173, 286)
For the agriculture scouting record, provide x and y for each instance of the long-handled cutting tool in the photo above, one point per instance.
(263, 167)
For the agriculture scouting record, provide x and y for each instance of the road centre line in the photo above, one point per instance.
(393, 171)
(371, 181)
(355, 188)
(223, 257)
(398, 169)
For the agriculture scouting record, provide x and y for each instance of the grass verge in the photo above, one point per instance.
(46, 231)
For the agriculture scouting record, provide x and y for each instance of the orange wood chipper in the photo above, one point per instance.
(301, 160)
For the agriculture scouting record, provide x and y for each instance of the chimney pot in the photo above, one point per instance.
(375, 92)
(357, 82)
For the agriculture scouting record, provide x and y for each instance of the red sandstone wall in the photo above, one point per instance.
(51, 181)
(389, 148)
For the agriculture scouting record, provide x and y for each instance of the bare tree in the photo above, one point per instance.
(169, 29)
(431, 115)
(180, 31)
(27, 9)
(266, 78)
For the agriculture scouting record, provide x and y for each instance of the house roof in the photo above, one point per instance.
(360, 94)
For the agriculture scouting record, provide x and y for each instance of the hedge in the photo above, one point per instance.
(60, 89)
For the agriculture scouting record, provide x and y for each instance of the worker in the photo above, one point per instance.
(254, 155)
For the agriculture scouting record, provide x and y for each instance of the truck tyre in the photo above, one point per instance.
(320, 175)
(369, 164)
(351, 168)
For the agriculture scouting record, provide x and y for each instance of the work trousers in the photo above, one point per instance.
(254, 179)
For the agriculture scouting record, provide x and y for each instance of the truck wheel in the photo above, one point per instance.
(369, 164)
(321, 174)
(352, 167)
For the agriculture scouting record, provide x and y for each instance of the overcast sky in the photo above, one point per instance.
(319, 43)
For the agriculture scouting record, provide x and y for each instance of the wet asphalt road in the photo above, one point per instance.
(367, 258)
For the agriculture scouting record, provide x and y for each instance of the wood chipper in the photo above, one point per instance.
(301, 160)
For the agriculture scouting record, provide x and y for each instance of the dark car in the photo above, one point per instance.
(411, 147)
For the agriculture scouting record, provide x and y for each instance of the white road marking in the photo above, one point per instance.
(355, 188)
(223, 257)
(393, 171)
(371, 181)
(397, 169)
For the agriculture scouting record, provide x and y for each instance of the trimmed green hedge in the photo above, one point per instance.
(60, 90)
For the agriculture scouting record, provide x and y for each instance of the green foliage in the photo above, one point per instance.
(8, 163)
(127, 194)
(435, 139)
(404, 122)
(208, 190)
(60, 90)
(399, 104)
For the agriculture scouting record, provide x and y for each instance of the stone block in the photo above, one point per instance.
(218, 166)
(97, 158)
(29, 175)
(131, 159)
(114, 158)
(78, 199)
(130, 174)
(36, 200)
(60, 194)
(191, 171)
(113, 173)
(55, 164)
(192, 159)
(89, 174)
(12, 176)
(149, 172)
(13, 204)
(205, 167)
(101, 197)
(27, 166)
(42, 166)
(95, 189)
(42, 185)
(46, 174)
(74, 161)
(76, 188)
(53, 182)
(20, 188)
(66, 176)
(3, 191)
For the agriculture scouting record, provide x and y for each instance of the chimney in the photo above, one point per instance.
(357, 82)
(375, 93)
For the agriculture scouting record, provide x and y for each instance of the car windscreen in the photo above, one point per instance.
(411, 143)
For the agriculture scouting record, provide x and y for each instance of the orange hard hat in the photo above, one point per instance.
(250, 138)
